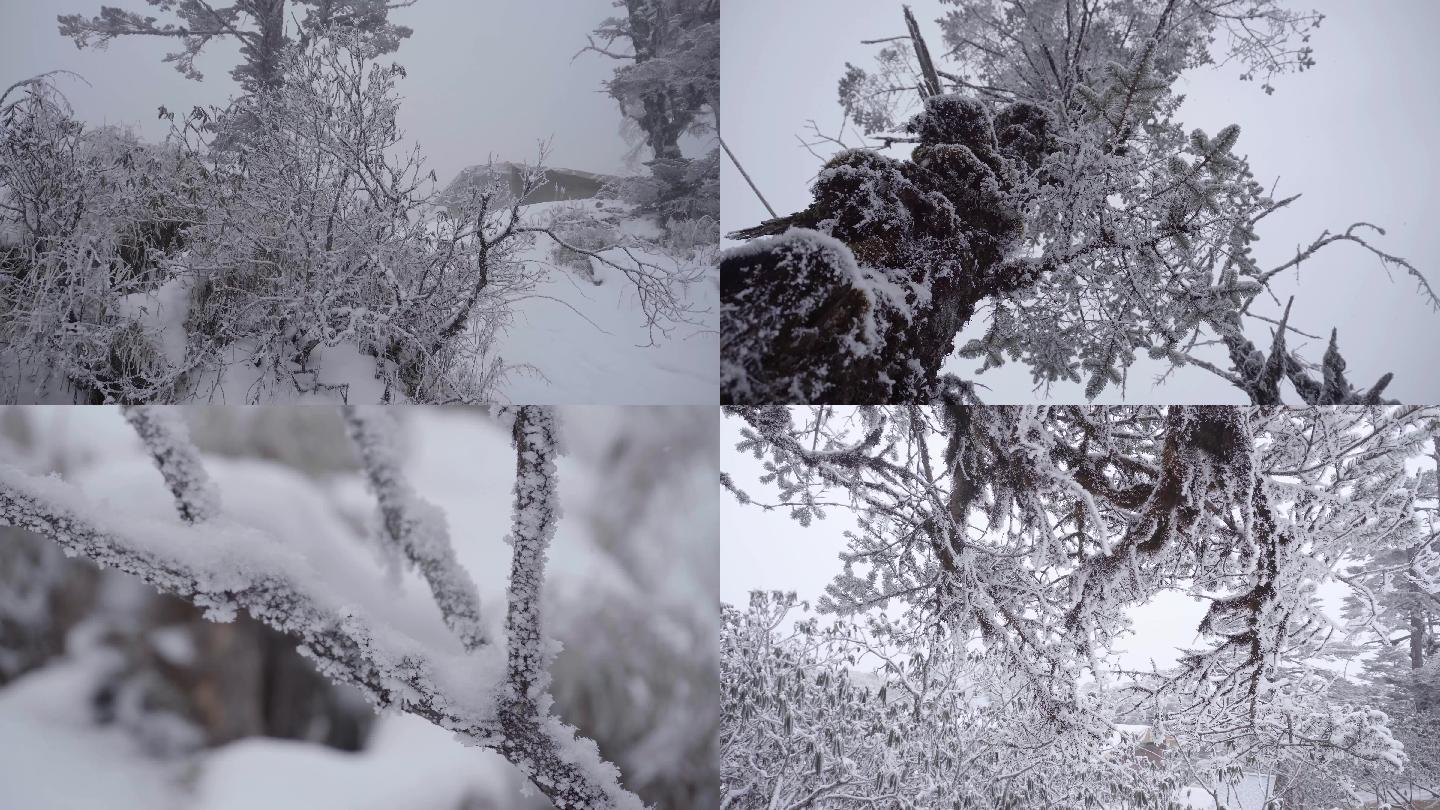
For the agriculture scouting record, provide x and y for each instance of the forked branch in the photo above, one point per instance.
(224, 566)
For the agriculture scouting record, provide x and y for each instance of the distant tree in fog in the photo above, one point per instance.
(669, 85)
(261, 27)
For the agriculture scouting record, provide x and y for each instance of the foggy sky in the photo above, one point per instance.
(1355, 135)
(766, 551)
(492, 77)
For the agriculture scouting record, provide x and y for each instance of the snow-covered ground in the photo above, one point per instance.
(591, 344)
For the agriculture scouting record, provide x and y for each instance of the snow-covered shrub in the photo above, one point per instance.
(358, 264)
(687, 189)
(91, 219)
(851, 711)
(129, 363)
(365, 283)
(692, 237)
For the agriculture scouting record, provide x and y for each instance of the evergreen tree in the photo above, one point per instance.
(262, 28)
(669, 86)
(1398, 606)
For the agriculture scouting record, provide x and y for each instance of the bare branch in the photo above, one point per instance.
(165, 437)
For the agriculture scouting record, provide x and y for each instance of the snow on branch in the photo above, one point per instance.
(223, 567)
(165, 437)
(414, 524)
(1112, 502)
(542, 747)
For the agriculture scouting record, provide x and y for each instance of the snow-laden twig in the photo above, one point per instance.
(414, 524)
(536, 511)
(535, 740)
(165, 437)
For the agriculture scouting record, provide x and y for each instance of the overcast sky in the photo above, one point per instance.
(491, 77)
(1356, 135)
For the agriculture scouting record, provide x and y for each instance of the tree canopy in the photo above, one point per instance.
(262, 28)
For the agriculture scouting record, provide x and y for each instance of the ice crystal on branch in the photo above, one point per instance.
(490, 698)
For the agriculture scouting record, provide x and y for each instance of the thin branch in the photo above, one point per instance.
(415, 525)
(163, 431)
(931, 85)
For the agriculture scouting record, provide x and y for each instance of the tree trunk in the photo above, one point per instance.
(647, 27)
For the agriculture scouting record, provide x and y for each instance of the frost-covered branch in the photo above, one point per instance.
(168, 441)
(490, 699)
(416, 526)
(1027, 549)
(534, 740)
(536, 512)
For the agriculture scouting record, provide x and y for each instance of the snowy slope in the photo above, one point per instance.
(408, 763)
(590, 342)
(56, 758)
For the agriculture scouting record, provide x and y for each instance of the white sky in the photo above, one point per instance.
(1355, 135)
(491, 77)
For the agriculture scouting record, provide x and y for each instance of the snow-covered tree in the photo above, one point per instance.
(493, 692)
(845, 715)
(264, 29)
(1052, 192)
(1396, 613)
(143, 273)
(1019, 537)
(669, 87)
(670, 82)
